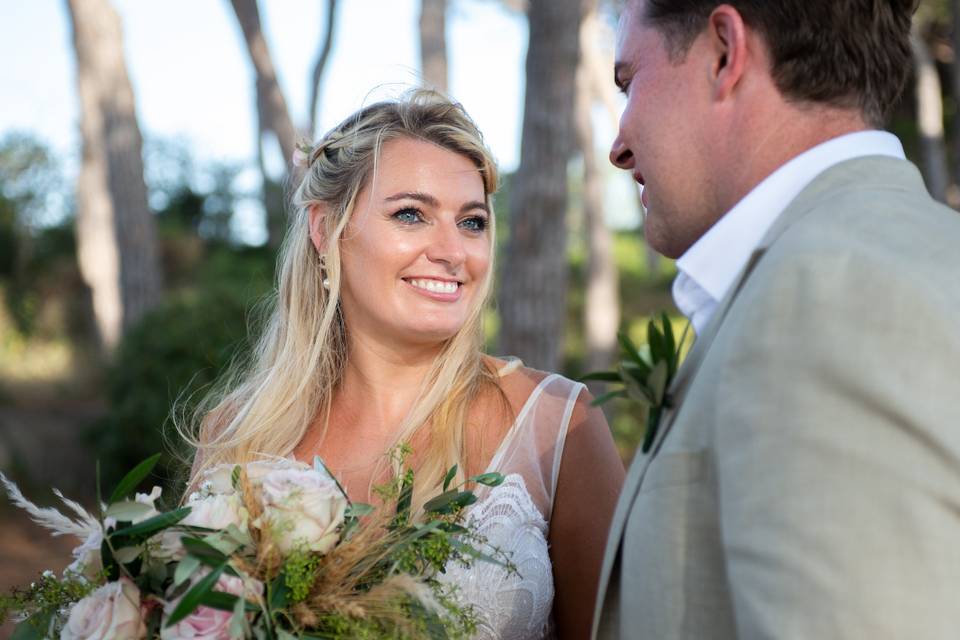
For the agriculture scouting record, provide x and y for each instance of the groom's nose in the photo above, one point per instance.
(620, 155)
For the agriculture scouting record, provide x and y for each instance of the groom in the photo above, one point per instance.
(806, 481)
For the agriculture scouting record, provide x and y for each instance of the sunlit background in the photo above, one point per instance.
(72, 392)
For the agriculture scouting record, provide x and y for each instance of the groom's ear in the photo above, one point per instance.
(317, 224)
(728, 41)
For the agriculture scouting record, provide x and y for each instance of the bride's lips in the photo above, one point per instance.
(440, 289)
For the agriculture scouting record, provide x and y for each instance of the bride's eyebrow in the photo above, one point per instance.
(419, 196)
(429, 200)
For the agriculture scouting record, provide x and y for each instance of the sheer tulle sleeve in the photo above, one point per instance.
(533, 448)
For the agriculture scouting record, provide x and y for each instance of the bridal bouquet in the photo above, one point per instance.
(269, 550)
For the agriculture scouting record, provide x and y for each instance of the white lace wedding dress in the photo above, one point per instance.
(515, 517)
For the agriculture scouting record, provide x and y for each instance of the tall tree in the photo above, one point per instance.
(929, 94)
(433, 43)
(326, 46)
(116, 232)
(602, 305)
(533, 290)
(954, 9)
(273, 116)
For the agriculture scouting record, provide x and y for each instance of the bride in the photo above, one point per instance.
(376, 339)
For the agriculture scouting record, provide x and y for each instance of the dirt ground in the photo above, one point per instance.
(25, 551)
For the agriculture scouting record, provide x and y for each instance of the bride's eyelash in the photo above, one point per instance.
(477, 224)
(403, 215)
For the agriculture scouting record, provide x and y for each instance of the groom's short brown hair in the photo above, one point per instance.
(846, 53)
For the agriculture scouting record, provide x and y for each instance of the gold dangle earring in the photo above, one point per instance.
(323, 272)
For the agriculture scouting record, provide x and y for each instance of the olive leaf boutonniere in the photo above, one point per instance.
(644, 373)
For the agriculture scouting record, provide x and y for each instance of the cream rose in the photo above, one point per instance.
(112, 612)
(301, 509)
(217, 511)
(207, 623)
(219, 479)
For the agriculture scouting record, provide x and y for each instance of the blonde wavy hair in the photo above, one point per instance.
(264, 407)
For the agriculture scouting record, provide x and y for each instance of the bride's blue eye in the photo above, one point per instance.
(408, 215)
(475, 224)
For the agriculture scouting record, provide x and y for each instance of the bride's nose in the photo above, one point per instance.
(446, 246)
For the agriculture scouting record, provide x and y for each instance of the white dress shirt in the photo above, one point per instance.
(711, 265)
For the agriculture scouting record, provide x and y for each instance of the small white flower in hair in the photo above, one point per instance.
(301, 155)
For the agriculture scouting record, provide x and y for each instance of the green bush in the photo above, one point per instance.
(171, 358)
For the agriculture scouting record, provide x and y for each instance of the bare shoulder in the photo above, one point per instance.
(516, 381)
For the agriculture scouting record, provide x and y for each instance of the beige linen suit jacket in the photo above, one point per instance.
(806, 482)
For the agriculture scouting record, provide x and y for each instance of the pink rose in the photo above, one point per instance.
(207, 623)
(112, 612)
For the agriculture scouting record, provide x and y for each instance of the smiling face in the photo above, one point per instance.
(416, 254)
(664, 138)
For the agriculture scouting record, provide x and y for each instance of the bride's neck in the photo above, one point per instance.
(381, 380)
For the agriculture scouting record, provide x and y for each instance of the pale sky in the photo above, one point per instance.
(193, 80)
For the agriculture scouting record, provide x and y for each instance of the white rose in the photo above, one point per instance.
(219, 479)
(301, 509)
(216, 511)
(112, 612)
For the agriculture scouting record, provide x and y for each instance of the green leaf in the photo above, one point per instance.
(238, 621)
(447, 479)
(492, 479)
(235, 477)
(358, 510)
(655, 340)
(134, 478)
(637, 387)
(192, 598)
(440, 501)
(669, 340)
(449, 501)
(630, 369)
(629, 349)
(33, 628)
(653, 424)
(185, 569)
(219, 600)
(128, 510)
(606, 397)
(657, 382)
(135, 534)
(279, 593)
(601, 376)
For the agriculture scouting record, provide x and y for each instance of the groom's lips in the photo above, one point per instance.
(643, 188)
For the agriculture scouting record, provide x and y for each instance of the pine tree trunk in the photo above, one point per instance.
(318, 67)
(433, 43)
(930, 119)
(116, 232)
(533, 291)
(272, 113)
(602, 304)
(955, 81)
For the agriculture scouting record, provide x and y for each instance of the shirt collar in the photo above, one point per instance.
(715, 260)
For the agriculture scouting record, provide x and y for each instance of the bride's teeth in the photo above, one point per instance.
(435, 286)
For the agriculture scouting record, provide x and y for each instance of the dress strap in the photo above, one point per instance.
(497, 459)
